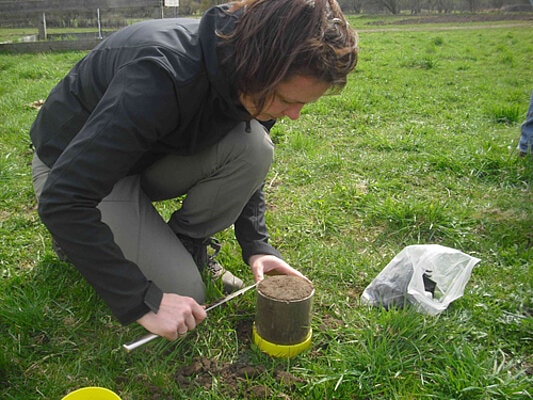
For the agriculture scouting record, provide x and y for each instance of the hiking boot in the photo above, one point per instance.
(205, 261)
(230, 282)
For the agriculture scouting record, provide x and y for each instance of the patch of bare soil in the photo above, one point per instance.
(239, 379)
(328, 323)
(236, 378)
(528, 367)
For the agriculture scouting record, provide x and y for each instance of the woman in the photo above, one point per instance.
(179, 107)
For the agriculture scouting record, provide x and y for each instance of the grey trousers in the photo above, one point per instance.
(217, 183)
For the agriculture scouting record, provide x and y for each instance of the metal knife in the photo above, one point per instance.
(148, 338)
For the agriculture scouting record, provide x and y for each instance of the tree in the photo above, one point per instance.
(377, 6)
(391, 5)
(415, 6)
(472, 5)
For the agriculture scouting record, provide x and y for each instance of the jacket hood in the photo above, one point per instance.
(218, 20)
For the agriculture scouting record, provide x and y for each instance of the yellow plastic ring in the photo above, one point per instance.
(92, 393)
(281, 350)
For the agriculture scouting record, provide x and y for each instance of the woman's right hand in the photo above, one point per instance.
(176, 316)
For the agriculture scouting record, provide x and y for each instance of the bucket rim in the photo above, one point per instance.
(71, 395)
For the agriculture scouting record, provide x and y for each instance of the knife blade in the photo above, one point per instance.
(231, 296)
(151, 336)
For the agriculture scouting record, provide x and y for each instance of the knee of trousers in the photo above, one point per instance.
(256, 148)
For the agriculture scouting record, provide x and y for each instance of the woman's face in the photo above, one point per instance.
(289, 98)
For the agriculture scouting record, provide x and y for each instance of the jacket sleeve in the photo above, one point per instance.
(251, 230)
(137, 108)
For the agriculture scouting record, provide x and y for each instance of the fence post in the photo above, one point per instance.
(42, 28)
(99, 24)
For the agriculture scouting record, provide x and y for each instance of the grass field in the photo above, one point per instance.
(419, 148)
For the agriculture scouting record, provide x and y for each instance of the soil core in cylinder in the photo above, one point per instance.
(283, 309)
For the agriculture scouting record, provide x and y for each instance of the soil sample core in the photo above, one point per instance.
(283, 309)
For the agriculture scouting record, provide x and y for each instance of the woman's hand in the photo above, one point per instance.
(262, 264)
(176, 316)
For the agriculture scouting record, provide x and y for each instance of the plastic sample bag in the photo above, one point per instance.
(427, 276)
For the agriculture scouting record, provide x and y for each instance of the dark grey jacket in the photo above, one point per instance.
(151, 89)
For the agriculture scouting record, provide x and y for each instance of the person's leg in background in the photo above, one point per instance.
(525, 145)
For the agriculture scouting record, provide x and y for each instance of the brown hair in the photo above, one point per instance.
(275, 40)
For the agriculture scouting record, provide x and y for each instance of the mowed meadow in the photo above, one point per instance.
(419, 148)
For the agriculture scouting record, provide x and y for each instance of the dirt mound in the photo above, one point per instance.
(240, 379)
(237, 379)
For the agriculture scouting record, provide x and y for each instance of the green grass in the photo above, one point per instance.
(419, 148)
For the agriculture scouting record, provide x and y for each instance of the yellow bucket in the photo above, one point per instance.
(92, 393)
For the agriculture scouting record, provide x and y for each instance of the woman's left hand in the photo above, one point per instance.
(262, 264)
